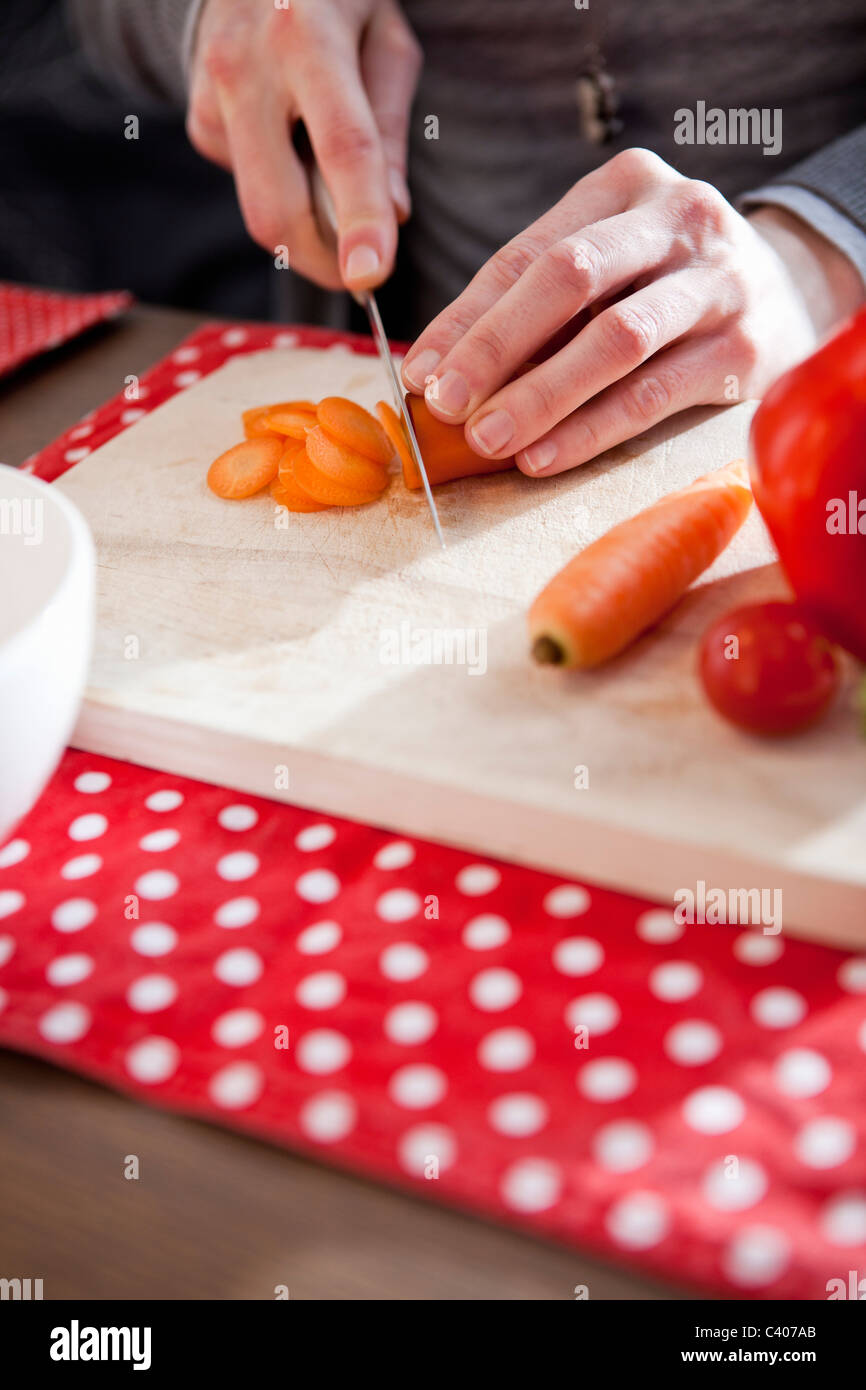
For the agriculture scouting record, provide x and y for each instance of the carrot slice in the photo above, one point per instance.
(245, 468)
(286, 490)
(395, 430)
(444, 450)
(629, 578)
(255, 419)
(328, 490)
(294, 418)
(343, 465)
(352, 425)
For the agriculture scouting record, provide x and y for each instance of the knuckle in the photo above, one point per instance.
(224, 58)
(266, 225)
(701, 203)
(401, 43)
(345, 142)
(542, 397)
(514, 259)
(647, 398)
(572, 262)
(488, 341)
(636, 163)
(631, 333)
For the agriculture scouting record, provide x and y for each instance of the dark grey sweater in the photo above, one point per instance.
(531, 94)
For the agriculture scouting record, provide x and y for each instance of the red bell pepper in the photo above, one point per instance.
(808, 465)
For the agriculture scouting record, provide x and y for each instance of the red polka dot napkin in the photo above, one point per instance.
(687, 1099)
(32, 321)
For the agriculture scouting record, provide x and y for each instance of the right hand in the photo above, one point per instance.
(348, 69)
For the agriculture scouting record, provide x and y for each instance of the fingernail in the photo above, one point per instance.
(450, 392)
(361, 262)
(539, 457)
(418, 370)
(399, 192)
(493, 432)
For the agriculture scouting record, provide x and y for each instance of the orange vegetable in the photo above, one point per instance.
(246, 468)
(354, 427)
(342, 464)
(443, 447)
(293, 418)
(627, 580)
(255, 419)
(331, 491)
(286, 489)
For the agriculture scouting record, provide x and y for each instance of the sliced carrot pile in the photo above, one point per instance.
(623, 583)
(443, 447)
(329, 490)
(351, 425)
(292, 417)
(344, 465)
(246, 468)
(286, 490)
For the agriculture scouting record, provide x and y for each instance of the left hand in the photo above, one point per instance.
(668, 297)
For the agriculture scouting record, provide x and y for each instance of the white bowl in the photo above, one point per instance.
(47, 569)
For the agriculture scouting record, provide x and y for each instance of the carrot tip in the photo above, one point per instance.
(548, 652)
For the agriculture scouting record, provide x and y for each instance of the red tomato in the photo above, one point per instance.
(767, 668)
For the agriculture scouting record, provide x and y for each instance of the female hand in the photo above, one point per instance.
(679, 300)
(348, 69)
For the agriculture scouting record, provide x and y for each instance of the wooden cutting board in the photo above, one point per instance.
(290, 656)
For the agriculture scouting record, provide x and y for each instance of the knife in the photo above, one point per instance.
(326, 218)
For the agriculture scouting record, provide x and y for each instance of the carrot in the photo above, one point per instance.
(246, 468)
(292, 417)
(331, 491)
(443, 448)
(254, 419)
(627, 580)
(286, 490)
(343, 465)
(393, 427)
(352, 425)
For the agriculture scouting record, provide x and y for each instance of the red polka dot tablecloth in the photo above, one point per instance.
(32, 321)
(687, 1099)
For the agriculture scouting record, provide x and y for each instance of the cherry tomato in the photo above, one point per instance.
(768, 668)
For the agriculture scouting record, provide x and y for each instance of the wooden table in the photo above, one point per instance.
(214, 1215)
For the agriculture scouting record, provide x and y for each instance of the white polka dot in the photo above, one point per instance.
(237, 912)
(157, 884)
(153, 1060)
(693, 1042)
(531, 1184)
(238, 817)
(81, 431)
(238, 967)
(7, 949)
(317, 886)
(11, 901)
(164, 801)
(417, 1087)
(577, 955)
(186, 378)
(323, 1051)
(236, 1086)
(329, 1117)
(314, 837)
(319, 938)
(778, 1007)
(153, 939)
(756, 1256)
(158, 840)
(410, 1023)
(186, 354)
(675, 980)
(403, 961)
(13, 853)
(237, 1027)
(843, 1220)
(129, 417)
(623, 1147)
(76, 455)
(73, 914)
(825, 1142)
(476, 879)
(83, 866)
(568, 900)
(852, 975)
(91, 782)
(396, 855)
(65, 1023)
(638, 1221)
(713, 1110)
(802, 1072)
(324, 990)
(598, 1013)
(658, 926)
(518, 1114)
(233, 337)
(486, 932)
(752, 948)
(234, 867)
(425, 1151)
(285, 340)
(506, 1049)
(150, 993)
(734, 1185)
(492, 990)
(398, 905)
(68, 970)
(88, 827)
(607, 1079)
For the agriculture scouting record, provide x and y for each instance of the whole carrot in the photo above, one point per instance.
(630, 577)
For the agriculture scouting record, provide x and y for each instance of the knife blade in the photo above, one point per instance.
(324, 210)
